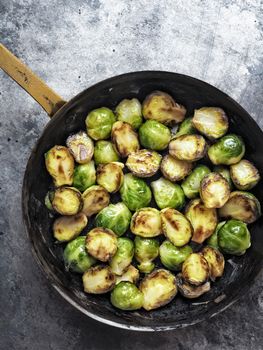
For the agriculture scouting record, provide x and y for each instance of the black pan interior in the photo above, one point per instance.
(193, 93)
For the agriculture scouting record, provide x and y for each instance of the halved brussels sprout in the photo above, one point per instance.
(227, 150)
(176, 227)
(126, 296)
(161, 107)
(195, 269)
(190, 291)
(98, 280)
(175, 169)
(124, 138)
(215, 260)
(130, 275)
(242, 206)
(60, 165)
(76, 257)
(154, 135)
(99, 123)
(110, 176)
(188, 147)
(185, 128)
(224, 171)
(48, 200)
(203, 220)
(95, 198)
(135, 193)
(172, 257)
(244, 175)
(212, 241)
(146, 250)
(123, 257)
(234, 237)
(214, 190)
(104, 153)
(191, 185)
(67, 200)
(130, 111)
(84, 176)
(146, 222)
(211, 122)
(116, 217)
(144, 163)
(81, 147)
(65, 228)
(158, 288)
(167, 194)
(101, 243)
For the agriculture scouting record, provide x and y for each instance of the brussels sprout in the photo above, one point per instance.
(224, 171)
(211, 122)
(234, 237)
(188, 147)
(144, 163)
(67, 201)
(95, 198)
(76, 257)
(195, 269)
(215, 260)
(81, 147)
(227, 150)
(60, 165)
(98, 280)
(146, 250)
(104, 153)
(191, 185)
(146, 222)
(135, 193)
(214, 190)
(101, 243)
(126, 296)
(212, 241)
(244, 175)
(190, 291)
(203, 220)
(154, 135)
(123, 257)
(84, 176)
(185, 128)
(130, 275)
(158, 289)
(161, 107)
(176, 227)
(99, 123)
(172, 257)
(130, 111)
(116, 217)
(110, 176)
(124, 138)
(65, 228)
(242, 206)
(167, 194)
(48, 200)
(175, 169)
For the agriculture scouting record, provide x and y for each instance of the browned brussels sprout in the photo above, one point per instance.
(81, 147)
(214, 190)
(188, 147)
(216, 262)
(67, 200)
(144, 163)
(130, 275)
(146, 222)
(110, 176)
(124, 138)
(98, 280)
(175, 169)
(66, 228)
(95, 198)
(244, 175)
(189, 290)
(195, 269)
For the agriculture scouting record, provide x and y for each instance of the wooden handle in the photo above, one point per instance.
(18, 71)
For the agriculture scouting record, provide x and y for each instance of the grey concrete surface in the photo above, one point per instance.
(71, 45)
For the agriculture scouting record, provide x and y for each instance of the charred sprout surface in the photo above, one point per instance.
(215, 260)
(154, 135)
(161, 107)
(195, 269)
(144, 163)
(191, 185)
(123, 257)
(225, 172)
(66, 228)
(214, 190)
(146, 250)
(167, 194)
(67, 201)
(124, 138)
(81, 147)
(189, 290)
(130, 275)
(98, 280)
(185, 128)
(84, 176)
(99, 123)
(101, 243)
(130, 111)
(126, 296)
(95, 198)
(175, 169)
(76, 257)
(172, 257)
(116, 217)
(188, 147)
(146, 222)
(110, 176)
(212, 241)
(211, 122)
(244, 175)
(104, 152)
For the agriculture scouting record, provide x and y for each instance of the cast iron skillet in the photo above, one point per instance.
(193, 93)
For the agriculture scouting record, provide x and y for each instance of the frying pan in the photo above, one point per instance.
(69, 117)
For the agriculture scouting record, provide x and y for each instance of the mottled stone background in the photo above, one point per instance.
(71, 45)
